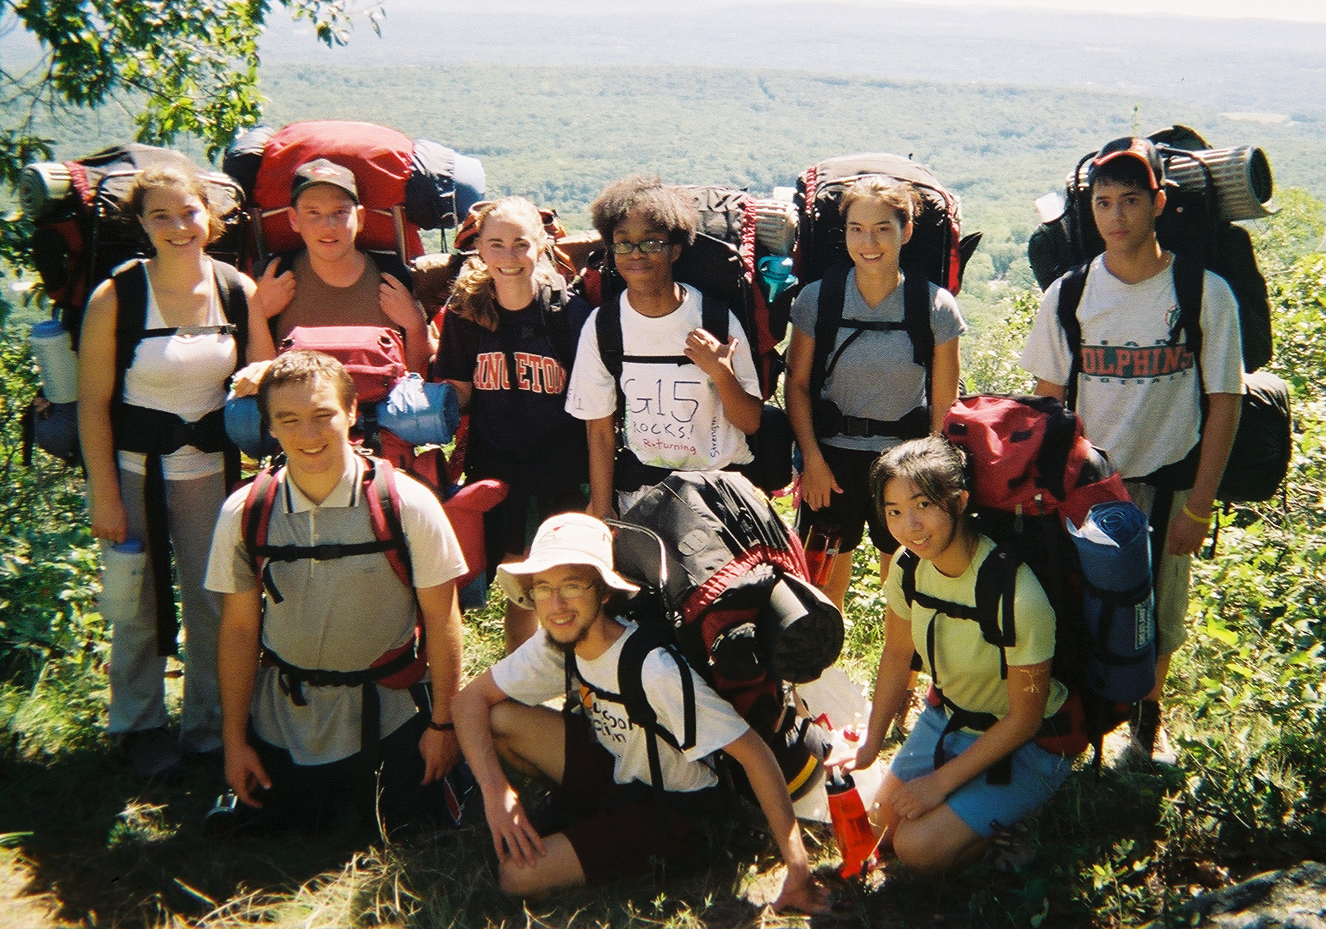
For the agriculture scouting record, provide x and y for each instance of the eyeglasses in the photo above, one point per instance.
(541, 592)
(645, 247)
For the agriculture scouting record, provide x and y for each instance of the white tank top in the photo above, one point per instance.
(184, 373)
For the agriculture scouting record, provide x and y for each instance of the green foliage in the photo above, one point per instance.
(191, 68)
(1294, 231)
(990, 351)
(48, 563)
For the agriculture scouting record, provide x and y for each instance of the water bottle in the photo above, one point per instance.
(851, 825)
(776, 273)
(821, 549)
(123, 565)
(56, 360)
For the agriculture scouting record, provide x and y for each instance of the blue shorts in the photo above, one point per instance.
(985, 807)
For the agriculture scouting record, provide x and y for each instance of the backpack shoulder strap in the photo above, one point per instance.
(1189, 288)
(908, 561)
(714, 313)
(130, 283)
(384, 510)
(608, 329)
(1071, 287)
(828, 317)
(255, 519)
(630, 667)
(916, 306)
(553, 302)
(234, 304)
(996, 593)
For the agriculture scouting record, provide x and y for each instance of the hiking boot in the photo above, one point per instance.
(1149, 743)
(152, 752)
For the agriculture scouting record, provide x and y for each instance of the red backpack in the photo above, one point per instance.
(404, 185)
(1031, 466)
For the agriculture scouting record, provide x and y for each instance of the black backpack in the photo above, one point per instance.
(721, 263)
(85, 230)
(724, 590)
(1213, 186)
(937, 253)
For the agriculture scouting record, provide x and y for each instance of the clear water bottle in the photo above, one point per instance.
(123, 565)
(56, 360)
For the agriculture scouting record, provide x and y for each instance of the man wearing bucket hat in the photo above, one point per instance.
(1165, 418)
(330, 282)
(595, 757)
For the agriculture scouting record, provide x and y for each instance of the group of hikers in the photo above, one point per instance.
(289, 642)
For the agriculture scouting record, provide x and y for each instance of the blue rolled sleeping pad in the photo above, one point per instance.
(1118, 605)
(418, 411)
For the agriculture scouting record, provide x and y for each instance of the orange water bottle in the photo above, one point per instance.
(851, 825)
(821, 549)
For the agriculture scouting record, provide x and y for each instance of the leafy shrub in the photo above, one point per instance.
(48, 560)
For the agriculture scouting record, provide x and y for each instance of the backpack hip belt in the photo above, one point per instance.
(913, 425)
(1050, 736)
(293, 678)
(158, 432)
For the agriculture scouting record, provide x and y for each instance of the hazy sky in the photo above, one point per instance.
(1300, 10)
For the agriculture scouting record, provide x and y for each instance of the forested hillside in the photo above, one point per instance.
(557, 135)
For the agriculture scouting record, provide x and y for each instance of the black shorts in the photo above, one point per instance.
(312, 796)
(852, 510)
(543, 481)
(621, 830)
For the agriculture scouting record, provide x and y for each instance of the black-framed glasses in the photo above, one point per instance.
(645, 247)
(572, 591)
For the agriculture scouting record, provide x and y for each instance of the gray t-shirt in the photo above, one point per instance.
(876, 377)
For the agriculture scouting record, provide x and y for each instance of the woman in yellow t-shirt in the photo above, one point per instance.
(990, 774)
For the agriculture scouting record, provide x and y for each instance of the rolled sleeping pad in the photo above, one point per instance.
(800, 629)
(420, 412)
(1114, 547)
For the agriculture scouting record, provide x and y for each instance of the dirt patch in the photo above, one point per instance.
(19, 908)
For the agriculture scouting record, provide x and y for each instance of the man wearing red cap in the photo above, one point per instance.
(1165, 417)
(330, 282)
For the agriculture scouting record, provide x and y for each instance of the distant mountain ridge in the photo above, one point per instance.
(1226, 65)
